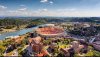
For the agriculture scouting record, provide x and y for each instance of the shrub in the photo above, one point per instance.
(9, 27)
(96, 53)
(2, 49)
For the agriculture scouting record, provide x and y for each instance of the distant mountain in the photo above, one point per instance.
(59, 19)
(91, 19)
(82, 20)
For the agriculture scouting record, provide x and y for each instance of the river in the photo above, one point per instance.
(16, 33)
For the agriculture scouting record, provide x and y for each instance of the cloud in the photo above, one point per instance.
(44, 10)
(67, 9)
(22, 9)
(2, 7)
(51, 2)
(22, 5)
(41, 11)
(18, 12)
(44, 1)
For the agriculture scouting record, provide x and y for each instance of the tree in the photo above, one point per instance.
(2, 49)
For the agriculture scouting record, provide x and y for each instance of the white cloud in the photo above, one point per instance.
(44, 10)
(22, 9)
(41, 11)
(67, 9)
(51, 2)
(18, 12)
(44, 1)
(22, 5)
(2, 7)
(47, 1)
(12, 11)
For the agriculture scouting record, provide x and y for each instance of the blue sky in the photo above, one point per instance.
(70, 8)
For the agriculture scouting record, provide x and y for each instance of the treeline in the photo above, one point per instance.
(10, 22)
(90, 31)
(36, 22)
(17, 22)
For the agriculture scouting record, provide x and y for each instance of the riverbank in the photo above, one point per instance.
(12, 29)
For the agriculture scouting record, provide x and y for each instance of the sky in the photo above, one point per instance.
(60, 8)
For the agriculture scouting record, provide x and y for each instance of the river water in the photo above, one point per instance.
(16, 33)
